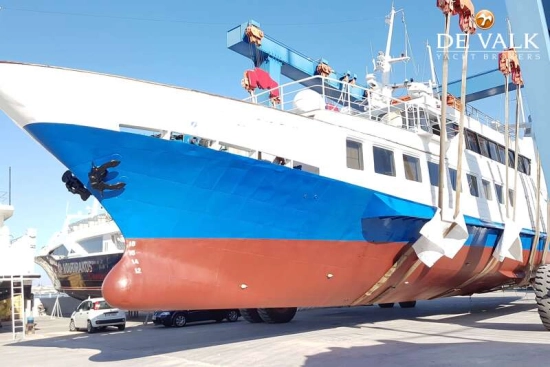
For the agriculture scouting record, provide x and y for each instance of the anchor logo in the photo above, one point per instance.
(485, 19)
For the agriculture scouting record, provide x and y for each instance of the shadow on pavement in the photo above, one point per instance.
(397, 353)
(118, 346)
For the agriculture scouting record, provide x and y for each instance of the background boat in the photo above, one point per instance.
(79, 256)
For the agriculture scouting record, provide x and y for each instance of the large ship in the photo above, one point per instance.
(78, 257)
(319, 192)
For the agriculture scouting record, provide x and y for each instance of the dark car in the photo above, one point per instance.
(181, 318)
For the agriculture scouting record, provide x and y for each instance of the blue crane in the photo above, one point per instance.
(479, 86)
(278, 59)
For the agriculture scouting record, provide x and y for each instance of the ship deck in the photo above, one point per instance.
(501, 328)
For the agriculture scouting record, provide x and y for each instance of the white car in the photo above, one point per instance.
(96, 313)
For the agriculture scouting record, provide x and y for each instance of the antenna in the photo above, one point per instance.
(510, 34)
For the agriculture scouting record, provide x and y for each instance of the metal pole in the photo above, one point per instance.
(535, 245)
(506, 136)
(461, 126)
(516, 156)
(443, 123)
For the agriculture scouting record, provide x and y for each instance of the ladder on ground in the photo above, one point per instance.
(17, 307)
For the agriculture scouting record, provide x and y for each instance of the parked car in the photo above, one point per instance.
(96, 313)
(181, 318)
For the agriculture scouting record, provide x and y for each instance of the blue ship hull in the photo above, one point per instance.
(188, 211)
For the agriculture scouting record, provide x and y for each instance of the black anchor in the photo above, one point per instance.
(97, 176)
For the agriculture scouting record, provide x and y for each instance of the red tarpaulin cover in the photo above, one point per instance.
(259, 78)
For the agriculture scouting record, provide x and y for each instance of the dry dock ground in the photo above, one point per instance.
(496, 329)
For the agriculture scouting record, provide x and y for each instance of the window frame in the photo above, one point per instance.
(499, 191)
(473, 180)
(484, 146)
(392, 155)
(436, 177)
(487, 193)
(494, 152)
(418, 171)
(360, 160)
(501, 154)
(452, 172)
(471, 141)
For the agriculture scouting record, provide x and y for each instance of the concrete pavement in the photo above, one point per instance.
(496, 329)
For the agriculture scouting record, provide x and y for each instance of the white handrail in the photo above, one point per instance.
(355, 96)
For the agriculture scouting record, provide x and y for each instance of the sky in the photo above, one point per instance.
(183, 43)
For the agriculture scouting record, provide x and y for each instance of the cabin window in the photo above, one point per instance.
(452, 129)
(472, 183)
(471, 142)
(176, 136)
(383, 161)
(493, 151)
(305, 167)
(61, 251)
(354, 154)
(525, 165)
(511, 197)
(498, 190)
(433, 170)
(496, 152)
(92, 245)
(483, 146)
(511, 159)
(452, 177)
(487, 189)
(501, 154)
(521, 164)
(412, 168)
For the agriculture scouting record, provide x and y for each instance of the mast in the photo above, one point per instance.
(390, 32)
(383, 61)
(432, 67)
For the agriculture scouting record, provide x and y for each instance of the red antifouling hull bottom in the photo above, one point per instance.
(235, 273)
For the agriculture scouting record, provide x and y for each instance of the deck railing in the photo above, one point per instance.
(89, 222)
(358, 101)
